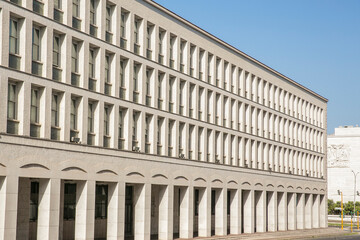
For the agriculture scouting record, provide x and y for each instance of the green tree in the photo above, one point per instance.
(331, 207)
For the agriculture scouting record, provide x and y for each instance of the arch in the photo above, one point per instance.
(299, 187)
(134, 174)
(259, 184)
(322, 190)
(181, 177)
(246, 183)
(200, 179)
(290, 187)
(232, 181)
(2, 165)
(315, 189)
(270, 185)
(107, 171)
(34, 165)
(217, 180)
(307, 188)
(159, 176)
(73, 169)
(280, 186)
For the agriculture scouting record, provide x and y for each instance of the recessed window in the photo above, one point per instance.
(34, 113)
(12, 123)
(14, 58)
(101, 201)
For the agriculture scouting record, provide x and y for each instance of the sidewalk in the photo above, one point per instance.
(296, 234)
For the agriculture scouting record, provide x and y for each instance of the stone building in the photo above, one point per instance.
(343, 162)
(121, 119)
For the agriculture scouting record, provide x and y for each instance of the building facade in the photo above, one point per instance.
(119, 119)
(343, 162)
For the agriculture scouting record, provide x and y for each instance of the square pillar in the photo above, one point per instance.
(248, 208)
(220, 212)
(308, 210)
(291, 208)
(204, 212)
(8, 207)
(316, 211)
(23, 209)
(300, 211)
(235, 211)
(323, 211)
(271, 211)
(282, 211)
(85, 210)
(166, 210)
(49, 209)
(260, 201)
(142, 221)
(116, 211)
(186, 212)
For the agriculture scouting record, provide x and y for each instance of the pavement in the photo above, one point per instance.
(331, 233)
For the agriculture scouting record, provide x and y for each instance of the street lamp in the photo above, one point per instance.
(342, 213)
(355, 174)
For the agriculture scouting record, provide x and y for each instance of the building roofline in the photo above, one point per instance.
(232, 48)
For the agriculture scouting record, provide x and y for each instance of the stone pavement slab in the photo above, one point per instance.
(296, 234)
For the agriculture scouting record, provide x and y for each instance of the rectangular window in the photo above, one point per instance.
(101, 201)
(135, 82)
(34, 201)
(91, 63)
(123, 25)
(107, 68)
(57, 4)
(36, 44)
(107, 121)
(12, 101)
(147, 137)
(121, 129)
(91, 109)
(55, 130)
(122, 79)
(73, 114)
(92, 12)
(14, 37)
(136, 36)
(108, 18)
(55, 111)
(12, 124)
(34, 111)
(159, 132)
(75, 57)
(134, 133)
(56, 51)
(148, 94)
(75, 9)
(136, 31)
(69, 201)
(161, 33)
(148, 37)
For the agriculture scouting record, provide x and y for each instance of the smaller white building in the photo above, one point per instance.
(343, 158)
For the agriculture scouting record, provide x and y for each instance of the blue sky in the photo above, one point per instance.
(314, 42)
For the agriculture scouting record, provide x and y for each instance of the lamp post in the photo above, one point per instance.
(355, 174)
(342, 214)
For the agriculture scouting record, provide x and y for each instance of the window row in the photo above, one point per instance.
(149, 86)
(186, 56)
(104, 124)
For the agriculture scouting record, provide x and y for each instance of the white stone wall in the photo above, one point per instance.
(343, 157)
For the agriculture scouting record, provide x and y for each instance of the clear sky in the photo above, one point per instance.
(314, 42)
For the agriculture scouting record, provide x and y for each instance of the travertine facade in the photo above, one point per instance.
(119, 118)
(343, 158)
